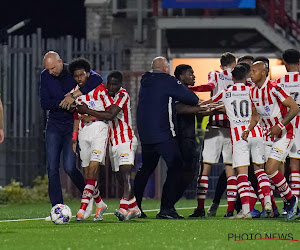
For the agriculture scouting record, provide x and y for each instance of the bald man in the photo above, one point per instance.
(156, 126)
(274, 109)
(56, 82)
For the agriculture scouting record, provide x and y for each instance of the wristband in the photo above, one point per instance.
(74, 136)
(280, 125)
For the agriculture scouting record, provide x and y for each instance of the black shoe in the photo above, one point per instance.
(228, 214)
(178, 216)
(143, 215)
(212, 210)
(198, 213)
(168, 214)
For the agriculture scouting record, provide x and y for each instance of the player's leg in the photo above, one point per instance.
(213, 142)
(227, 153)
(54, 143)
(244, 192)
(295, 176)
(279, 151)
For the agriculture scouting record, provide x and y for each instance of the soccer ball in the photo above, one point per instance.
(60, 214)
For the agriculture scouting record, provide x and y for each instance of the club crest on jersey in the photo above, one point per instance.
(228, 95)
(92, 104)
(267, 109)
(179, 82)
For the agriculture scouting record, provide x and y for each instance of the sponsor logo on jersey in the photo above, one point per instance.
(96, 152)
(124, 155)
(179, 82)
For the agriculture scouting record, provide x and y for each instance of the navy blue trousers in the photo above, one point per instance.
(59, 141)
(169, 151)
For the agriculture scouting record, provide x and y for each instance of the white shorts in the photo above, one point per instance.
(122, 154)
(278, 149)
(216, 141)
(295, 150)
(242, 151)
(92, 142)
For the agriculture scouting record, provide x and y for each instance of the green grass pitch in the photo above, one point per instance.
(150, 233)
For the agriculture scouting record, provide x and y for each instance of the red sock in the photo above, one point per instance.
(87, 193)
(261, 198)
(280, 182)
(244, 191)
(124, 203)
(253, 197)
(202, 187)
(132, 205)
(295, 182)
(231, 192)
(263, 182)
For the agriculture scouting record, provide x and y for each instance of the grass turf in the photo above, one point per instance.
(150, 233)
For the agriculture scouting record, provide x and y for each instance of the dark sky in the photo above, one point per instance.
(55, 17)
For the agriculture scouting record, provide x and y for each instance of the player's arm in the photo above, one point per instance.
(92, 82)
(187, 109)
(203, 87)
(253, 121)
(1, 123)
(107, 115)
(293, 110)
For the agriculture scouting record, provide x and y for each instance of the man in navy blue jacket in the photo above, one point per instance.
(56, 82)
(156, 123)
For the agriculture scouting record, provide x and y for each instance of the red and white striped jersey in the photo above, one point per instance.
(120, 128)
(268, 102)
(222, 80)
(95, 99)
(238, 109)
(291, 84)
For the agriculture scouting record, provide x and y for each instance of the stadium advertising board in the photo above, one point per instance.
(208, 4)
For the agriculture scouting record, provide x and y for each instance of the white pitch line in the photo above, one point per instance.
(149, 210)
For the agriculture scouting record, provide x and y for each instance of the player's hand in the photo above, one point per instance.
(245, 135)
(1, 135)
(74, 147)
(86, 118)
(274, 131)
(82, 109)
(67, 101)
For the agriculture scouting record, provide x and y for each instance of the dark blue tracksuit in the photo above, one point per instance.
(59, 129)
(156, 124)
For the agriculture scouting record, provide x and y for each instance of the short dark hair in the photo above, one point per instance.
(227, 59)
(116, 74)
(79, 63)
(291, 56)
(246, 65)
(239, 72)
(180, 69)
(246, 57)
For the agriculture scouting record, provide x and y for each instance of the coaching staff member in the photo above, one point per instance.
(156, 127)
(56, 82)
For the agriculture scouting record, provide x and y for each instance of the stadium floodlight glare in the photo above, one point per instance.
(18, 26)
